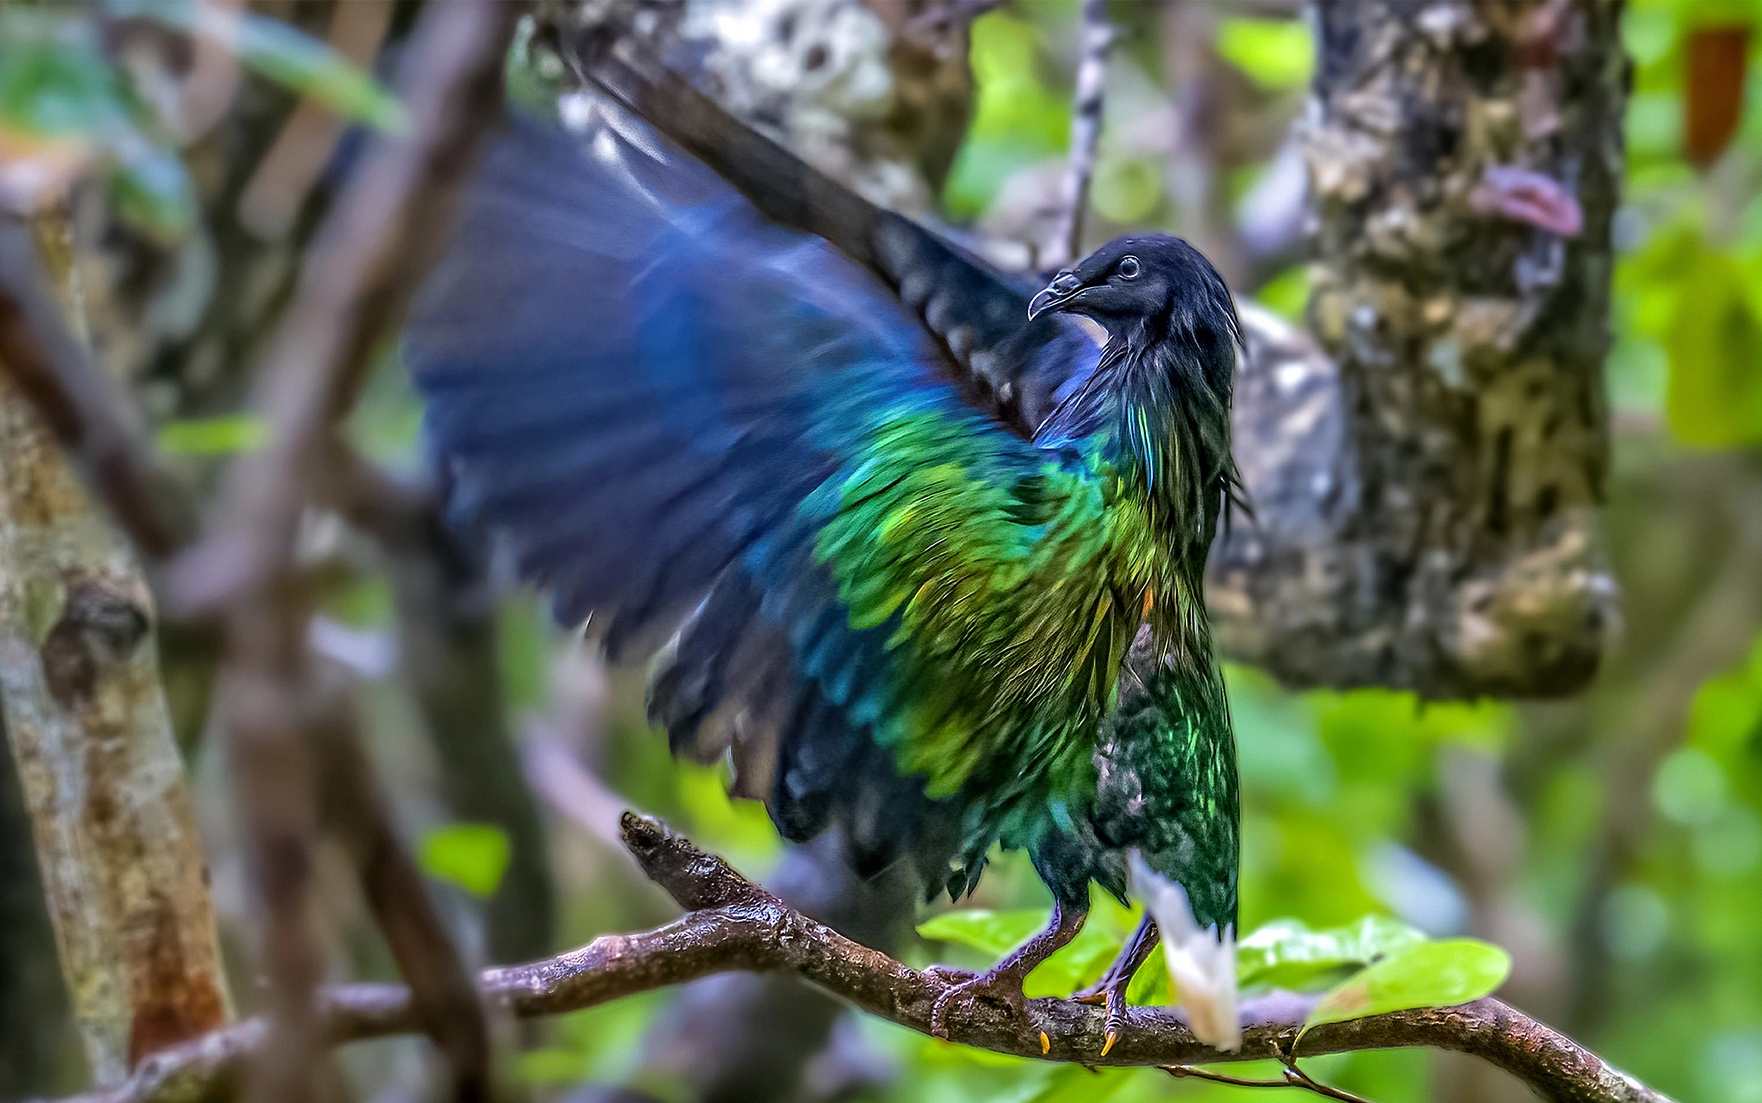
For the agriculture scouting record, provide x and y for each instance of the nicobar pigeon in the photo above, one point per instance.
(886, 519)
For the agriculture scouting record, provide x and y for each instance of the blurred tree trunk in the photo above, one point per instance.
(1425, 493)
(86, 718)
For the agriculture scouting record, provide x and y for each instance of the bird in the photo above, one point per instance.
(884, 520)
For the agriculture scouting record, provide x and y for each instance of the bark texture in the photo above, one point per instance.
(86, 718)
(1424, 492)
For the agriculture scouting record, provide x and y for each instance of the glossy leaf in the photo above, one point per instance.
(1286, 951)
(1150, 985)
(992, 934)
(1425, 974)
(1088, 955)
(989, 932)
(473, 856)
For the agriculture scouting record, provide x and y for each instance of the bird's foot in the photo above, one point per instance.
(1003, 982)
(1115, 1023)
(1002, 985)
(1110, 990)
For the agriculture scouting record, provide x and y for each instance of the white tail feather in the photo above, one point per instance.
(1202, 962)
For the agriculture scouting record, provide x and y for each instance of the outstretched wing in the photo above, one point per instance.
(653, 395)
(1004, 364)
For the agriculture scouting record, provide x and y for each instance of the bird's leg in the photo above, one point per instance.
(1111, 988)
(1003, 982)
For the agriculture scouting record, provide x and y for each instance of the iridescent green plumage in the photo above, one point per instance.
(899, 606)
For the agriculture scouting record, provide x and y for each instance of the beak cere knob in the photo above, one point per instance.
(1055, 295)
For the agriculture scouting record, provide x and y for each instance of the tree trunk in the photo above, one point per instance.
(86, 718)
(1425, 494)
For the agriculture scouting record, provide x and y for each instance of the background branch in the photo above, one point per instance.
(1091, 96)
(376, 242)
(124, 875)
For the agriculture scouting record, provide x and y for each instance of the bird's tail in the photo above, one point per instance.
(1202, 960)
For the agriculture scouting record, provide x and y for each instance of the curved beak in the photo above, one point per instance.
(1056, 295)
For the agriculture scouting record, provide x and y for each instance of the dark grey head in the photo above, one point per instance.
(1145, 287)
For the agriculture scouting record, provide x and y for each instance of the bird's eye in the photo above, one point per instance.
(1128, 268)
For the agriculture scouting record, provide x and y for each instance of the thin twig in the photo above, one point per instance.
(442, 988)
(1193, 1072)
(1293, 1078)
(1091, 95)
(1299, 1078)
(732, 924)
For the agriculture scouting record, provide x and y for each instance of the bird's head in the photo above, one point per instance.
(1144, 286)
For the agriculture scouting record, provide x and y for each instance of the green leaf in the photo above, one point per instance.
(56, 84)
(290, 57)
(1285, 950)
(989, 932)
(1286, 294)
(1275, 53)
(1425, 974)
(472, 856)
(1150, 985)
(1084, 960)
(286, 55)
(212, 436)
(1126, 190)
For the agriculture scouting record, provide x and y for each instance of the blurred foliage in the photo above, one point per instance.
(67, 105)
(1274, 53)
(472, 856)
(1689, 284)
(282, 54)
(212, 436)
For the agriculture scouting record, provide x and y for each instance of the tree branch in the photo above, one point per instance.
(733, 924)
(1091, 95)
